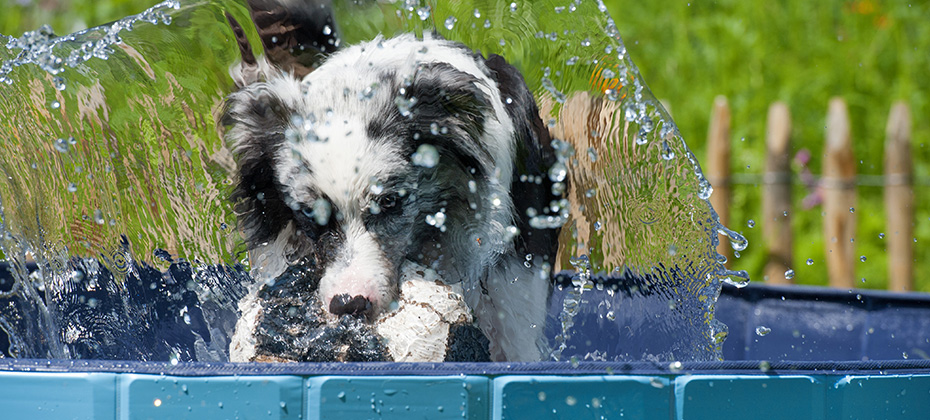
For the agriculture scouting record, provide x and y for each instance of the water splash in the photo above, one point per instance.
(140, 97)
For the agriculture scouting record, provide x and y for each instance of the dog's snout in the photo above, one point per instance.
(346, 305)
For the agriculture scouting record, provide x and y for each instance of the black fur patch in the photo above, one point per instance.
(258, 197)
(533, 157)
(449, 113)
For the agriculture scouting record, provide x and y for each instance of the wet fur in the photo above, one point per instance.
(355, 158)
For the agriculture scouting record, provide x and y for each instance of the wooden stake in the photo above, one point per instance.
(899, 199)
(839, 191)
(776, 194)
(718, 167)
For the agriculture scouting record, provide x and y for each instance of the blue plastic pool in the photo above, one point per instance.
(835, 374)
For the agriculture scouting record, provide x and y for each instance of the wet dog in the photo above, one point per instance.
(394, 150)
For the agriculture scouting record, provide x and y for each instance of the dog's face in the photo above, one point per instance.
(390, 150)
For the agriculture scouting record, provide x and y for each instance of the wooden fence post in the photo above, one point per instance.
(899, 199)
(839, 190)
(776, 195)
(718, 167)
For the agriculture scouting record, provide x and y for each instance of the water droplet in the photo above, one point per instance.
(881, 236)
(450, 22)
(321, 211)
(72, 187)
(487, 23)
(327, 30)
(706, 190)
(739, 283)
(437, 220)
(570, 401)
(59, 83)
(762, 331)
(852, 209)
(62, 145)
(667, 152)
(789, 274)
(751, 223)
(98, 217)
(472, 186)
(477, 14)
(426, 156)
(558, 172)
(572, 61)
(510, 233)
(423, 12)
(810, 261)
(629, 114)
(541, 396)
(368, 92)
(765, 366)
(611, 316)
(56, 104)
(675, 367)
(404, 105)
(597, 226)
(513, 7)
(341, 395)
(862, 258)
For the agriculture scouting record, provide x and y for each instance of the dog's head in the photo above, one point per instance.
(394, 149)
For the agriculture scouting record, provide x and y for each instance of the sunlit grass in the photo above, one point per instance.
(803, 53)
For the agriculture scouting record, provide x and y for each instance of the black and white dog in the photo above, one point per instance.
(393, 150)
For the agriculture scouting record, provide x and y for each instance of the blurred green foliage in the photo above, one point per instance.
(870, 53)
(64, 16)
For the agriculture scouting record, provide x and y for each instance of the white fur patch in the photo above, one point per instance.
(359, 269)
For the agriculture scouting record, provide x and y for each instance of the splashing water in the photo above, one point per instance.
(141, 189)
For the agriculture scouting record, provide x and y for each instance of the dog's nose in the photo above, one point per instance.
(345, 305)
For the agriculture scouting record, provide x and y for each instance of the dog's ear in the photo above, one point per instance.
(295, 37)
(533, 158)
(257, 121)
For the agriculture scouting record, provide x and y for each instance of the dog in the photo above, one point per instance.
(392, 150)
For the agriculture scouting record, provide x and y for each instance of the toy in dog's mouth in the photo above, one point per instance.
(285, 322)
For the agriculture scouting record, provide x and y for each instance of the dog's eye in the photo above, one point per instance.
(389, 202)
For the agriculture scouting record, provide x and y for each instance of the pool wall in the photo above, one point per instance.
(114, 390)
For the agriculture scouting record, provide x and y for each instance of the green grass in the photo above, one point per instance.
(800, 52)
